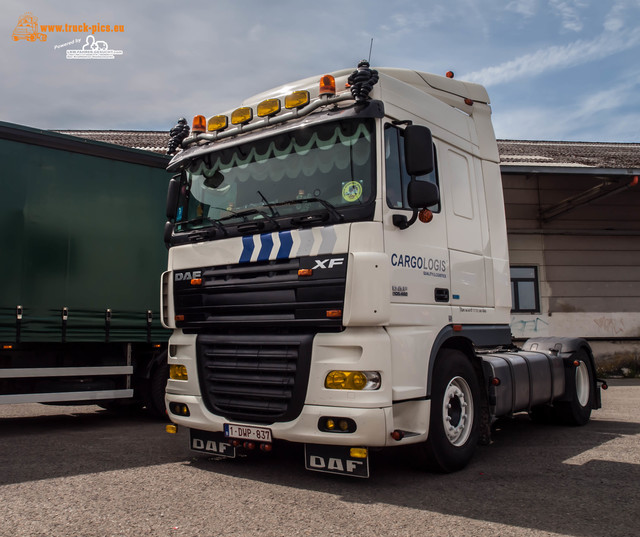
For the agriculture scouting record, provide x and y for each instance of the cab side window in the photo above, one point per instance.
(397, 178)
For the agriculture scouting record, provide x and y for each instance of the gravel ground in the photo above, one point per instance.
(82, 471)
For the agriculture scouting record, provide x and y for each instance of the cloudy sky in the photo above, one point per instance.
(555, 69)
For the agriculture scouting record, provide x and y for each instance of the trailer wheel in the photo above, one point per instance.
(577, 410)
(455, 414)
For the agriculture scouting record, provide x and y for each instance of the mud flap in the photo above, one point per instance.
(335, 460)
(211, 443)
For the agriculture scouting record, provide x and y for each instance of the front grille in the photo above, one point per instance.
(268, 294)
(254, 378)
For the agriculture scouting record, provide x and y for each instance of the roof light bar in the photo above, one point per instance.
(270, 107)
(297, 99)
(240, 116)
(217, 123)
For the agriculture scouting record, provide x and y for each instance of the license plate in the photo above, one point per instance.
(335, 460)
(243, 432)
(212, 443)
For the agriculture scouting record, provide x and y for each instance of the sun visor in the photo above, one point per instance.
(366, 109)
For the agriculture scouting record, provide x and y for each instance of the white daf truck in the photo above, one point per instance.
(338, 277)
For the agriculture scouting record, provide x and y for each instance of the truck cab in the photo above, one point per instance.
(338, 261)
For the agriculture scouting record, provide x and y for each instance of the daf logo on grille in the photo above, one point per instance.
(186, 276)
(328, 263)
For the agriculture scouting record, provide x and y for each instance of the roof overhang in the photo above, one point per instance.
(509, 169)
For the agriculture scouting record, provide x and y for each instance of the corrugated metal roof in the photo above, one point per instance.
(516, 153)
(569, 154)
(155, 141)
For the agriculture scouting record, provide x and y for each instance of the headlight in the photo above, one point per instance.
(352, 380)
(178, 372)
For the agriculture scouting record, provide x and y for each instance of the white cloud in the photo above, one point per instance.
(617, 16)
(603, 116)
(552, 58)
(568, 12)
(526, 8)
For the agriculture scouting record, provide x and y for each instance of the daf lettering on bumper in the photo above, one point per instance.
(212, 443)
(334, 460)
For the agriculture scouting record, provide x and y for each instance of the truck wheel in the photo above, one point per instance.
(455, 413)
(577, 410)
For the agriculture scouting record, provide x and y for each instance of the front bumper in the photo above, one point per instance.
(373, 424)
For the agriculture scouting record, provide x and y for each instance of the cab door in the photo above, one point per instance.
(418, 255)
(420, 275)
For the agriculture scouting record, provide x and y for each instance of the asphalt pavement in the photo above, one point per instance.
(82, 471)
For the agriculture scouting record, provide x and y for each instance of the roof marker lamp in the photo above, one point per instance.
(199, 124)
(217, 123)
(297, 99)
(240, 116)
(268, 108)
(327, 85)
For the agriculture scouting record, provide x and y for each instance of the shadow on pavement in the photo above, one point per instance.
(44, 447)
(521, 480)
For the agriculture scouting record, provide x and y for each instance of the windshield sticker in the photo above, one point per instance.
(351, 191)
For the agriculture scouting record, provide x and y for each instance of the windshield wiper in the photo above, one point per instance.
(331, 208)
(204, 220)
(328, 206)
(248, 212)
(268, 204)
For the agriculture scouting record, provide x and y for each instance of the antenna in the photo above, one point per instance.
(370, 47)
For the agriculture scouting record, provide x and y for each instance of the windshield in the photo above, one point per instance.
(325, 168)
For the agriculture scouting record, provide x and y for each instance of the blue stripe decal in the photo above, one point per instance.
(247, 249)
(286, 243)
(267, 246)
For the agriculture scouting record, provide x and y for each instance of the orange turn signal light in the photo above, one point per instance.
(196, 281)
(305, 272)
(425, 216)
(334, 314)
(179, 318)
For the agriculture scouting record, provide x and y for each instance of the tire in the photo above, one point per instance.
(454, 427)
(579, 388)
(158, 386)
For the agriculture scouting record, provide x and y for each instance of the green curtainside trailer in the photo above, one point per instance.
(81, 253)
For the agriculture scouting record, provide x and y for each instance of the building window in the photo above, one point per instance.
(524, 290)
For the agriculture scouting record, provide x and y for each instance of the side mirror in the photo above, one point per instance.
(418, 150)
(168, 231)
(421, 194)
(173, 194)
